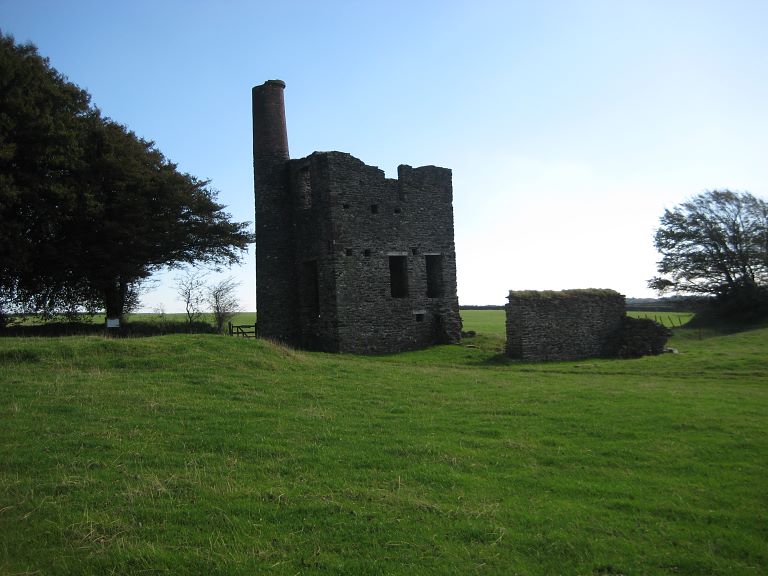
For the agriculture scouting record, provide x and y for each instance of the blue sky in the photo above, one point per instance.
(569, 125)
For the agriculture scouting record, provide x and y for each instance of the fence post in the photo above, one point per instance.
(229, 327)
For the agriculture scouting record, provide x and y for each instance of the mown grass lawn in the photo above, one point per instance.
(201, 454)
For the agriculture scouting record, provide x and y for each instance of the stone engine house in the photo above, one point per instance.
(346, 259)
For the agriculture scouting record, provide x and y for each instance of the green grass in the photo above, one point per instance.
(668, 319)
(485, 321)
(201, 454)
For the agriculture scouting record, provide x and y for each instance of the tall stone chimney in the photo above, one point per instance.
(277, 299)
(270, 136)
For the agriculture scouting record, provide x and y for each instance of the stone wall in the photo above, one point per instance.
(565, 325)
(359, 229)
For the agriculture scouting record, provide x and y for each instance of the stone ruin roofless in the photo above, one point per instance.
(346, 259)
(565, 325)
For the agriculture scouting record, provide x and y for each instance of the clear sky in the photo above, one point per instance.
(570, 125)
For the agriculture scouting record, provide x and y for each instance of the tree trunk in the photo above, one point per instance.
(114, 298)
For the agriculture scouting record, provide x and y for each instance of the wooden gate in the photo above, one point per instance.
(242, 330)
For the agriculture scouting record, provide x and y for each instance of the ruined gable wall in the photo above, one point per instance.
(565, 325)
(427, 192)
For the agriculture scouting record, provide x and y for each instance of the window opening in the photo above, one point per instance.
(374, 208)
(434, 275)
(367, 253)
(349, 252)
(398, 276)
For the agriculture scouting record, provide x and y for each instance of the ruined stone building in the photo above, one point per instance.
(346, 259)
(576, 324)
(565, 325)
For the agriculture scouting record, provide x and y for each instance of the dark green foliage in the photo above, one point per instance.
(40, 149)
(145, 214)
(716, 244)
(88, 210)
(641, 337)
(749, 303)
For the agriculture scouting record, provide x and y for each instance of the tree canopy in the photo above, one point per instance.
(87, 208)
(714, 244)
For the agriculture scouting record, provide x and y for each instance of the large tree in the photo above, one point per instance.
(40, 133)
(88, 209)
(140, 214)
(714, 244)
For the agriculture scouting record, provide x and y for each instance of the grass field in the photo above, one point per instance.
(482, 321)
(202, 454)
(668, 319)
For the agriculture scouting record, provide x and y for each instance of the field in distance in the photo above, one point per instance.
(190, 454)
(485, 321)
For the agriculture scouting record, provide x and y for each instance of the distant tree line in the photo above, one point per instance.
(88, 209)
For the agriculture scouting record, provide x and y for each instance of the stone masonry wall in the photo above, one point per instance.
(351, 220)
(566, 325)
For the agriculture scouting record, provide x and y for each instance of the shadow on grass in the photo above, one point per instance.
(501, 359)
(709, 324)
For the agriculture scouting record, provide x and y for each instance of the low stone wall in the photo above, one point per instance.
(566, 325)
